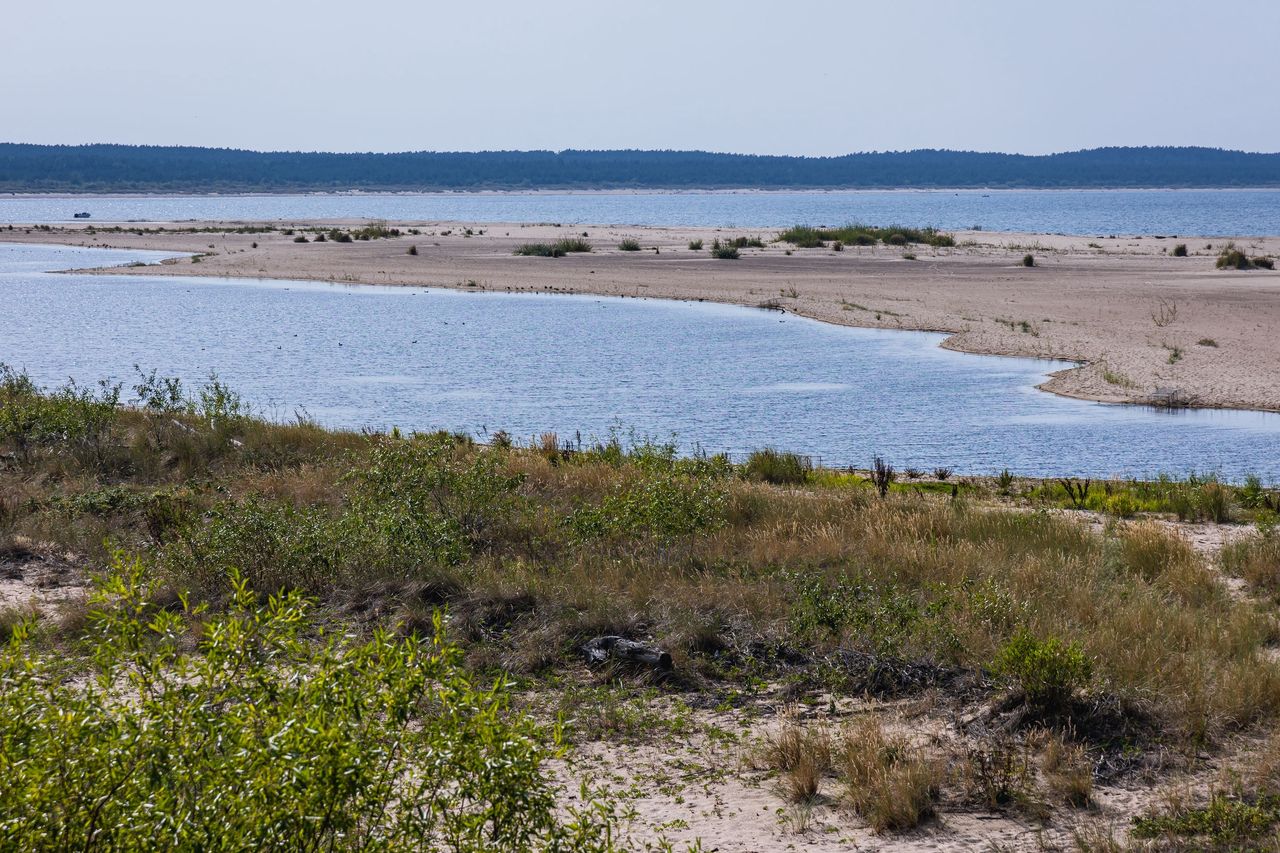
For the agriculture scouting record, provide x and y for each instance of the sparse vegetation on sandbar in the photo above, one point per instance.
(809, 237)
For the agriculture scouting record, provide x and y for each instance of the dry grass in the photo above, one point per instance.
(888, 781)
(802, 754)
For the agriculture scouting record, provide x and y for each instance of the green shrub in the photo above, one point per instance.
(1180, 250)
(1048, 671)
(1028, 260)
(662, 504)
(695, 245)
(428, 499)
(779, 468)
(1263, 263)
(629, 244)
(71, 417)
(724, 251)
(301, 238)
(273, 546)
(1231, 258)
(251, 729)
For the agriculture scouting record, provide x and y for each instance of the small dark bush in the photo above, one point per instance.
(724, 251)
(1028, 260)
(695, 245)
(629, 244)
(1264, 263)
(301, 238)
(1180, 250)
(413, 250)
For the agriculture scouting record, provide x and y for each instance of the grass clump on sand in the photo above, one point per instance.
(629, 244)
(809, 237)
(695, 245)
(558, 249)
(724, 251)
(1233, 258)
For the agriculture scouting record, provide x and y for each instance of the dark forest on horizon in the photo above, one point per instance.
(136, 168)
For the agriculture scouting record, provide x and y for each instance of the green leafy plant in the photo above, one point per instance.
(1048, 670)
(252, 729)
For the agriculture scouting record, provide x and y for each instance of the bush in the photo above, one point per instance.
(1180, 250)
(413, 250)
(72, 417)
(695, 245)
(1264, 263)
(662, 504)
(428, 500)
(772, 466)
(343, 743)
(301, 238)
(629, 244)
(724, 251)
(1231, 258)
(1028, 260)
(1048, 671)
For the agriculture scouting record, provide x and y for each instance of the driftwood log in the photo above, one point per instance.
(603, 649)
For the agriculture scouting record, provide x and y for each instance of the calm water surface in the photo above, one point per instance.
(721, 377)
(1095, 212)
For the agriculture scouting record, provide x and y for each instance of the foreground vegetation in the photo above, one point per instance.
(213, 529)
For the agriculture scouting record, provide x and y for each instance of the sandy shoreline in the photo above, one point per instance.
(1137, 319)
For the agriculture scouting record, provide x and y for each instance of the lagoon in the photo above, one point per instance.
(718, 377)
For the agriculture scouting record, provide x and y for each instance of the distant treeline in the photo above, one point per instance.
(133, 168)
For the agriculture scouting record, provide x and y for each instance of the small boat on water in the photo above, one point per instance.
(84, 215)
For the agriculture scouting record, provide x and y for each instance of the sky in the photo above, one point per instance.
(744, 76)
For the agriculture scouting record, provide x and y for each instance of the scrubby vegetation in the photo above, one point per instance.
(724, 251)
(1233, 258)
(558, 249)
(809, 237)
(1124, 645)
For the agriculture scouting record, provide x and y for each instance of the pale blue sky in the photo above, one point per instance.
(757, 77)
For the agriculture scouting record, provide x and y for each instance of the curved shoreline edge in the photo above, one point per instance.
(1083, 303)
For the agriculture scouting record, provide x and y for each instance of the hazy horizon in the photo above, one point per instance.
(744, 77)
(648, 150)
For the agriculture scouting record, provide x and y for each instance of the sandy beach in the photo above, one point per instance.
(1141, 322)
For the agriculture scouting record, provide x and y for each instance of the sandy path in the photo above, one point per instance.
(1139, 319)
